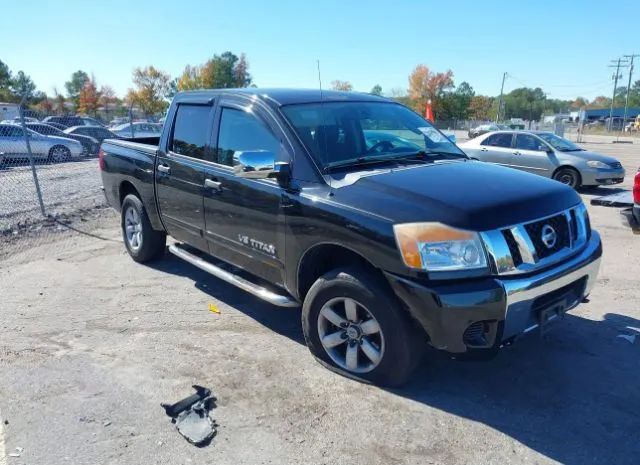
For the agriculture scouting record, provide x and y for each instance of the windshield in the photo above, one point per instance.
(349, 133)
(558, 143)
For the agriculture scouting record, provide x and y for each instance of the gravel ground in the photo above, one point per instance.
(91, 343)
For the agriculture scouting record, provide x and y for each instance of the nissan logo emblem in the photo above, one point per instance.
(548, 236)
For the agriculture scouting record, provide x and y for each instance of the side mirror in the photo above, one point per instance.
(452, 137)
(258, 164)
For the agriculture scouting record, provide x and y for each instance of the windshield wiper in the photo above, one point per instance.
(375, 159)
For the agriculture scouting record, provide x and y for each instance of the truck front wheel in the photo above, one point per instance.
(142, 241)
(355, 326)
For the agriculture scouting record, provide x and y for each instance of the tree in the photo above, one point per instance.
(341, 85)
(578, 103)
(376, 90)
(59, 102)
(525, 103)
(191, 78)
(75, 85)
(481, 108)
(152, 86)
(88, 98)
(22, 86)
(455, 105)
(225, 71)
(107, 99)
(600, 102)
(425, 85)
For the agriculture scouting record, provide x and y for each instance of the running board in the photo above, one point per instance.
(238, 281)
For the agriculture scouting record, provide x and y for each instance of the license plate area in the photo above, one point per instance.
(552, 307)
(547, 315)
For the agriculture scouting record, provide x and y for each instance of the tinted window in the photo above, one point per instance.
(241, 131)
(527, 142)
(498, 140)
(191, 130)
(10, 131)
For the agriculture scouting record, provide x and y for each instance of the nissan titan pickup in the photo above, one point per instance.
(359, 211)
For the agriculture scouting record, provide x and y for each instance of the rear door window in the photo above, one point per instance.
(191, 131)
(498, 140)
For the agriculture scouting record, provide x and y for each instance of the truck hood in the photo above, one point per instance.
(464, 194)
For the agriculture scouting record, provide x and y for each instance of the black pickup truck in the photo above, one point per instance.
(358, 210)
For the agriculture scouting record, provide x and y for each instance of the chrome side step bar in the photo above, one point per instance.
(238, 281)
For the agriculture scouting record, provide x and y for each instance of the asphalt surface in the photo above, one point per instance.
(91, 343)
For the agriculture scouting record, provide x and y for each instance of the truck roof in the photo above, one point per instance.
(286, 96)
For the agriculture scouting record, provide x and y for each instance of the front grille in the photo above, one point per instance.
(574, 226)
(513, 247)
(560, 226)
(615, 165)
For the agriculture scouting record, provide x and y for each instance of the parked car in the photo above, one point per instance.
(137, 130)
(62, 127)
(485, 128)
(90, 146)
(99, 133)
(88, 121)
(66, 121)
(636, 197)
(546, 154)
(55, 149)
(278, 192)
(118, 121)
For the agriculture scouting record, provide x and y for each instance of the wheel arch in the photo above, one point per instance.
(571, 167)
(323, 257)
(127, 188)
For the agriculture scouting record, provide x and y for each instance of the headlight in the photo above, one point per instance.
(597, 164)
(437, 247)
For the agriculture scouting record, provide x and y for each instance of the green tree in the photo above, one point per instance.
(525, 103)
(455, 105)
(75, 85)
(376, 90)
(22, 86)
(152, 88)
(481, 108)
(5, 83)
(225, 71)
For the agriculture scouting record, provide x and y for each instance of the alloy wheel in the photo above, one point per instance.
(133, 228)
(350, 335)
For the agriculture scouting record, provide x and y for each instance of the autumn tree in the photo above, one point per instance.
(107, 99)
(341, 85)
(600, 102)
(191, 78)
(481, 108)
(152, 87)
(220, 72)
(88, 98)
(426, 85)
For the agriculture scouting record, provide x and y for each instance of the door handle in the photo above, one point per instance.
(211, 184)
(517, 153)
(164, 169)
(484, 149)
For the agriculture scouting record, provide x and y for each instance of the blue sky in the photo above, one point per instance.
(563, 47)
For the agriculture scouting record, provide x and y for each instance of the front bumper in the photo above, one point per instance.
(636, 213)
(502, 307)
(597, 177)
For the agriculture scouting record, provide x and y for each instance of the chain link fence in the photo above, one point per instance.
(50, 182)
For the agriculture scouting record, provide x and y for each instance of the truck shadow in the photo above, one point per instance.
(284, 321)
(573, 396)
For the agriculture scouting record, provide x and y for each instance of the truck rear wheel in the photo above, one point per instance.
(355, 326)
(142, 241)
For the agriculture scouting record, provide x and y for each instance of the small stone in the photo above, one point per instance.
(106, 423)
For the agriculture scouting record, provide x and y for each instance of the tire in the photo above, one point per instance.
(142, 242)
(58, 154)
(397, 348)
(568, 176)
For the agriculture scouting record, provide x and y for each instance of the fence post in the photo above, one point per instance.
(25, 132)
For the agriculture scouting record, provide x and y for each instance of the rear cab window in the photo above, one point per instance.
(191, 131)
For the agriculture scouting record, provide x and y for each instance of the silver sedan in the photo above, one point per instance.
(545, 154)
(13, 145)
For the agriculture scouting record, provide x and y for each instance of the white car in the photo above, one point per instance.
(138, 130)
(55, 149)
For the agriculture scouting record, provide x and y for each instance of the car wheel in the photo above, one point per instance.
(568, 176)
(355, 326)
(59, 153)
(142, 241)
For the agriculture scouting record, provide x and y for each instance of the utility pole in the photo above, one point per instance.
(626, 99)
(504, 76)
(620, 63)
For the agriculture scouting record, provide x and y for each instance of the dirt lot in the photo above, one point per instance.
(91, 343)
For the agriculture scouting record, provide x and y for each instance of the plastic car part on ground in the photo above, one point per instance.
(191, 416)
